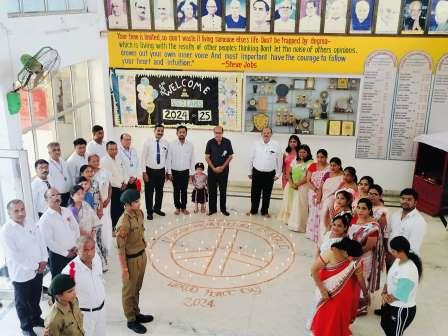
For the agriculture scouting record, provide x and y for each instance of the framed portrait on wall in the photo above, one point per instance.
(362, 16)
(260, 16)
(414, 16)
(310, 11)
(211, 15)
(140, 14)
(163, 15)
(438, 22)
(117, 14)
(235, 19)
(187, 15)
(336, 16)
(285, 16)
(388, 16)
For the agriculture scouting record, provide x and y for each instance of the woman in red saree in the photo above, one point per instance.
(339, 278)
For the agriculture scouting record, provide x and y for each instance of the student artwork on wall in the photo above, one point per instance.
(211, 15)
(163, 15)
(260, 16)
(140, 14)
(285, 16)
(438, 22)
(117, 14)
(235, 19)
(200, 100)
(362, 16)
(310, 12)
(414, 16)
(187, 15)
(336, 16)
(388, 16)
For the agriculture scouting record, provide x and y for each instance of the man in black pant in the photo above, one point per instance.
(218, 154)
(154, 155)
(26, 258)
(180, 166)
(265, 167)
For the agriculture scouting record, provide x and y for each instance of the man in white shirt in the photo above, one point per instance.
(140, 14)
(97, 145)
(39, 186)
(89, 286)
(154, 156)
(59, 229)
(211, 21)
(129, 158)
(265, 167)
(26, 258)
(113, 164)
(78, 158)
(58, 173)
(408, 222)
(180, 166)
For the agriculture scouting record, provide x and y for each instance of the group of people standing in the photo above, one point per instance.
(84, 202)
(356, 239)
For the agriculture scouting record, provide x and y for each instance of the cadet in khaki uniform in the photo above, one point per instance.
(64, 318)
(132, 256)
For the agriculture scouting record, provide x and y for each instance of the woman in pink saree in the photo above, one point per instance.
(338, 276)
(367, 232)
(325, 195)
(315, 180)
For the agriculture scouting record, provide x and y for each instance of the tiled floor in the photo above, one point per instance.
(265, 288)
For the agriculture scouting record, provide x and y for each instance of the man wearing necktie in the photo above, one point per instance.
(155, 151)
(39, 186)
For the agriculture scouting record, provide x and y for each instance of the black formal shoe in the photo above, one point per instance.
(378, 312)
(211, 213)
(225, 213)
(137, 327)
(141, 318)
(39, 323)
(149, 217)
(159, 212)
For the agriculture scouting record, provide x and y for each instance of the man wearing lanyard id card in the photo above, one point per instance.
(59, 175)
(129, 158)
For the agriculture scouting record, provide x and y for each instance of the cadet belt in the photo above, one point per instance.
(135, 255)
(93, 309)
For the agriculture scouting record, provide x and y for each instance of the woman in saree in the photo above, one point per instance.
(289, 157)
(339, 228)
(83, 212)
(101, 178)
(338, 276)
(367, 232)
(364, 185)
(315, 180)
(325, 195)
(298, 181)
(380, 212)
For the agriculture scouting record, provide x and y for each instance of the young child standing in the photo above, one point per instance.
(64, 318)
(199, 181)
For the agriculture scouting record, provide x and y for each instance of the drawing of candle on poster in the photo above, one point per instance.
(439, 101)
(376, 105)
(411, 105)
